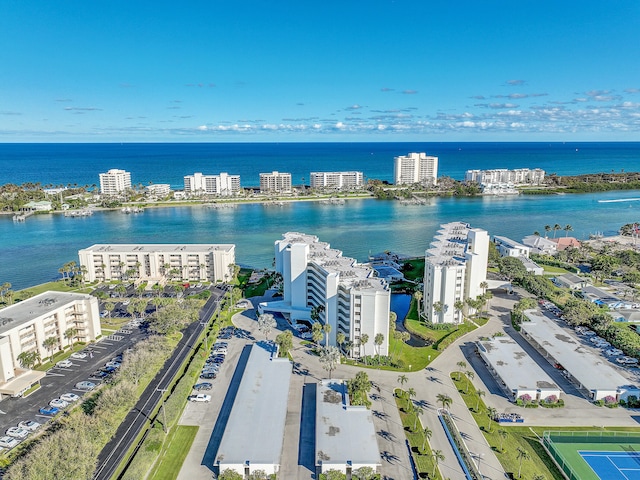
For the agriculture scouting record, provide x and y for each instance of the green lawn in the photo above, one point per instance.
(549, 270)
(414, 269)
(174, 452)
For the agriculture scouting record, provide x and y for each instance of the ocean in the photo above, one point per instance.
(31, 252)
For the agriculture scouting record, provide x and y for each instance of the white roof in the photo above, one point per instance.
(344, 434)
(592, 370)
(514, 366)
(255, 429)
(167, 248)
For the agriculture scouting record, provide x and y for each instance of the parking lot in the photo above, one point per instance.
(63, 378)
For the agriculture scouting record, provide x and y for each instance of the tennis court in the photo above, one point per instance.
(613, 465)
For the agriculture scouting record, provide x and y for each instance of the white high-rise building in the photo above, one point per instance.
(222, 184)
(319, 281)
(157, 262)
(455, 266)
(114, 181)
(336, 180)
(416, 168)
(275, 182)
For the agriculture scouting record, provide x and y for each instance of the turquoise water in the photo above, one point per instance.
(31, 252)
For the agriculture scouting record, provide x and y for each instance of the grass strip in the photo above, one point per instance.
(174, 451)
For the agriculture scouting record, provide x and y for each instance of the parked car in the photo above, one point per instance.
(201, 397)
(70, 397)
(99, 374)
(208, 375)
(49, 411)
(613, 352)
(8, 442)
(64, 364)
(220, 351)
(58, 403)
(85, 385)
(627, 360)
(589, 333)
(203, 386)
(17, 432)
(29, 425)
(79, 355)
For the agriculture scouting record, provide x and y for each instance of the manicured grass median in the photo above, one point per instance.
(174, 452)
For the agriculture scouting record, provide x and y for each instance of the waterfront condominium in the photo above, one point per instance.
(26, 326)
(277, 182)
(519, 176)
(158, 262)
(222, 184)
(319, 284)
(455, 268)
(114, 182)
(336, 180)
(416, 168)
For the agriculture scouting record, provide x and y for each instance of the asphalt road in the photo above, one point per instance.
(114, 452)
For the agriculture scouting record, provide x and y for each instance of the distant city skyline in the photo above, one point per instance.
(393, 70)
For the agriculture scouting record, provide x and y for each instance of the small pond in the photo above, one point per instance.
(400, 303)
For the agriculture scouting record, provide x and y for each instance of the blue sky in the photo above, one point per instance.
(311, 70)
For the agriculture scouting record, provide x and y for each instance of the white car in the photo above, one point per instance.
(626, 360)
(29, 425)
(64, 364)
(85, 385)
(589, 333)
(69, 397)
(8, 442)
(219, 351)
(58, 403)
(17, 432)
(201, 397)
(79, 355)
(613, 352)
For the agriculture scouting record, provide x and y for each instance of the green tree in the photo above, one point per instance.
(266, 323)
(358, 389)
(50, 344)
(418, 297)
(284, 341)
(109, 307)
(556, 227)
(417, 411)
(521, 455)
(340, 339)
(363, 473)
(438, 308)
(334, 475)
(28, 359)
(491, 413)
(327, 330)
(378, 341)
(461, 365)
(402, 379)
(567, 228)
(364, 339)
(258, 475)
(330, 358)
(470, 376)
(503, 435)
(69, 333)
(437, 457)
(445, 400)
(479, 393)
(410, 394)
(316, 333)
(229, 474)
(426, 436)
(458, 306)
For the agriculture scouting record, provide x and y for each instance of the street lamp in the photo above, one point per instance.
(164, 415)
(480, 456)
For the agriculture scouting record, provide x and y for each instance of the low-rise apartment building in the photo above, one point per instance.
(25, 326)
(336, 180)
(158, 262)
(519, 176)
(275, 182)
(222, 184)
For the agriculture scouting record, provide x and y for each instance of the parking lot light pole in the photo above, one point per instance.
(164, 415)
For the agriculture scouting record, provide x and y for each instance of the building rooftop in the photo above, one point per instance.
(592, 370)
(508, 242)
(33, 307)
(449, 244)
(516, 368)
(352, 274)
(157, 247)
(344, 434)
(255, 429)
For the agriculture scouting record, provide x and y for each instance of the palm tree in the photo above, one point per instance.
(49, 344)
(109, 307)
(438, 308)
(28, 359)
(521, 455)
(330, 358)
(556, 227)
(547, 228)
(458, 306)
(484, 285)
(316, 333)
(410, 394)
(480, 393)
(69, 333)
(327, 330)
(340, 339)
(377, 341)
(567, 228)
(426, 435)
(461, 365)
(491, 413)
(470, 376)
(417, 411)
(364, 339)
(445, 400)
(502, 433)
(402, 379)
(418, 297)
(437, 456)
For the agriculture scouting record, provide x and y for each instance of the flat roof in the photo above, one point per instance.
(255, 429)
(508, 242)
(515, 367)
(593, 371)
(42, 304)
(158, 247)
(344, 433)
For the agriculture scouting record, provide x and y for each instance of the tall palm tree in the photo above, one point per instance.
(567, 228)
(491, 413)
(417, 411)
(438, 308)
(445, 400)
(364, 339)
(480, 393)
(556, 227)
(49, 344)
(437, 456)
(418, 296)
(470, 376)
(327, 330)
(484, 285)
(69, 333)
(547, 228)
(402, 379)
(458, 306)
(410, 394)
(521, 455)
(378, 341)
(426, 436)
(461, 365)
(340, 339)
(502, 433)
